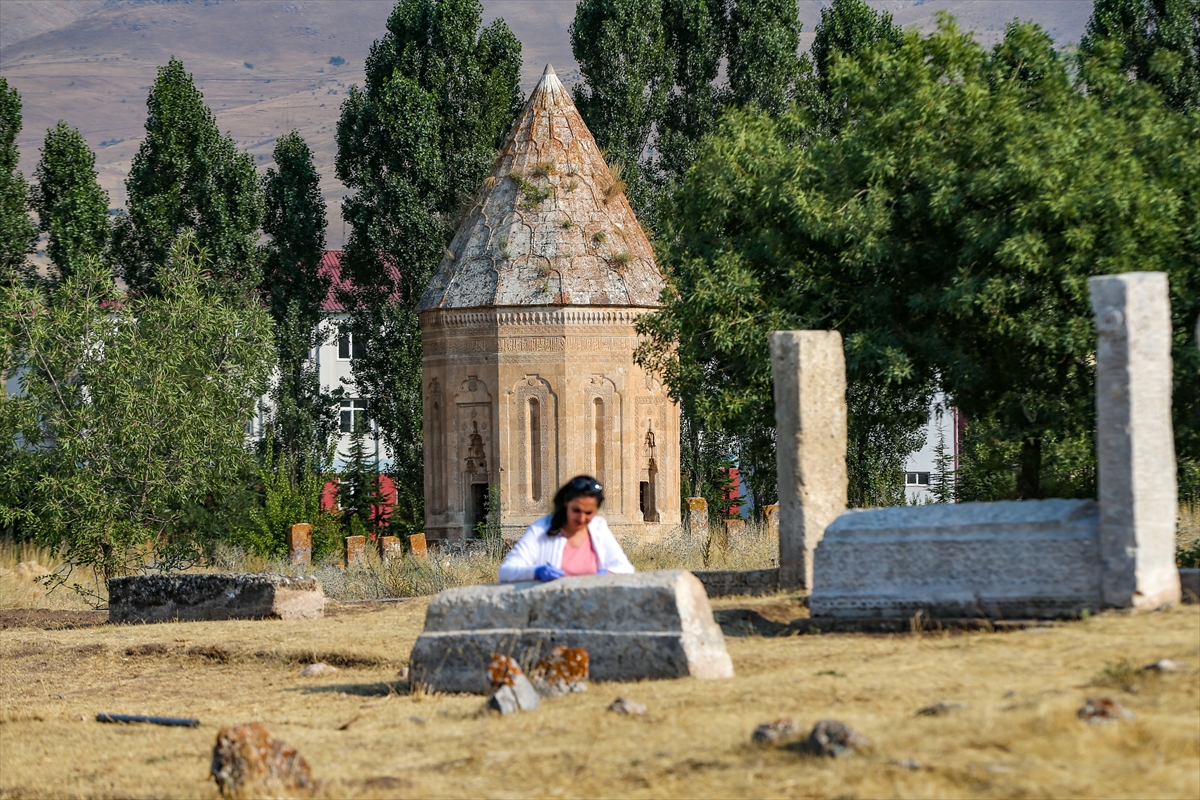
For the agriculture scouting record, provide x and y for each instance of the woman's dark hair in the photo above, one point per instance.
(579, 486)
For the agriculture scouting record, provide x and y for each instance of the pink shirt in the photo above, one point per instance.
(580, 560)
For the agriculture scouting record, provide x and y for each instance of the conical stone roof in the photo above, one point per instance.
(550, 225)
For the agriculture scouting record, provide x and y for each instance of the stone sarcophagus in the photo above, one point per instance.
(1016, 559)
(634, 627)
(213, 596)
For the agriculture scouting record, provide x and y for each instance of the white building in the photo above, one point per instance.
(334, 359)
(921, 467)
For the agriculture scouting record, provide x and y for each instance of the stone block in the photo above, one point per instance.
(732, 528)
(771, 516)
(390, 547)
(634, 627)
(734, 582)
(1189, 584)
(418, 545)
(696, 517)
(1135, 440)
(356, 552)
(213, 596)
(1017, 559)
(299, 544)
(248, 762)
(809, 373)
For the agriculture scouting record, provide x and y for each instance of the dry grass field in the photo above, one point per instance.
(366, 735)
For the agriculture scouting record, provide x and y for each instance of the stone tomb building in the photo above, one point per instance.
(528, 333)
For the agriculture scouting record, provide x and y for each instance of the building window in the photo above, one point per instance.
(349, 348)
(535, 450)
(354, 415)
(916, 478)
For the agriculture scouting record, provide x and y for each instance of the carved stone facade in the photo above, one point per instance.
(542, 395)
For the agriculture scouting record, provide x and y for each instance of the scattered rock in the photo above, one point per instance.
(623, 705)
(403, 674)
(561, 671)
(835, 739)
(769, 732)
(248, 761)
(1103, 709)
(318, 669)
(906, 763)
(940, 709)
(1165, 665)
(512, 691)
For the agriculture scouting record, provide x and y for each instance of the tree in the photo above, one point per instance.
(1160, 43)
(129, 408)
(947, 231)
(650, 73)
(302, 416)
(414, 144)
(847, 29)
(186, 175)
(359, 491)
(72, 207)
(18, 234)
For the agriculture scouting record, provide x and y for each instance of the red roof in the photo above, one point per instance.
(331, 266)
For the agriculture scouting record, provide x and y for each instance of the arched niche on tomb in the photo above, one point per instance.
(601, 438)
(473, 435)
(654, 454)
(435, 447)
(535, 420)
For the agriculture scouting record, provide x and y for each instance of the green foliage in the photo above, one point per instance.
(186, 175)
(1160, 43)
(18, 234)
(288, 494)
(947, 231)
(72, 207)
(651, 67)
(359, 491)
(441, 91)
(303, 418)
(130, 408)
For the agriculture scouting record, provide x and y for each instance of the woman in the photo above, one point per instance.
(571, 541)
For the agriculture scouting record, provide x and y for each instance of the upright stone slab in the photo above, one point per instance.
(418, 544)
(649, 625)
(1015, 559)
(213, 596)
(696, 517)
(299, 544)
(390, 547)
(356, 552)
(771, 516)
(1135, 442)
(809, 370)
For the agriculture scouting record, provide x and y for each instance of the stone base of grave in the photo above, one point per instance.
(196, 597)
(649, 625)
(735, 583)
(1017, 559)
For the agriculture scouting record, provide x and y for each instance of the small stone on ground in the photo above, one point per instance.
(315, 670)
(561, 671)
(518, 696)
(906, 763)
(248, 761)
(835, 739)
(1165, 665)
(940, 709)
(1103, 709)
(623, 705)
(769, 732)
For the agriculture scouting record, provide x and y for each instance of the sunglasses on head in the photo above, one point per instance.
(585, 484)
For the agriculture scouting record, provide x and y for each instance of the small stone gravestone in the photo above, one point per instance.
(299, 543)
(356, 552)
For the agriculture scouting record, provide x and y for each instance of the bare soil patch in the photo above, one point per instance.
(366, 735)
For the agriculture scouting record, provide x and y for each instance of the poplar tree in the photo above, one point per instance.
(71, 206)
(303, 417)
(186, 175)
(18, 234)
(414, 144)
(1160, 43)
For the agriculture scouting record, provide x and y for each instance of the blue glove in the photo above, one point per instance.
(548, 573)
(602, 571)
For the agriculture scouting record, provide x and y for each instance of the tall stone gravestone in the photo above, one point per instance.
(809, 371)
(1135, 439)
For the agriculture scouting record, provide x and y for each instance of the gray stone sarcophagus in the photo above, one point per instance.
(649, 625)
(213, 596)
(1017, 559)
